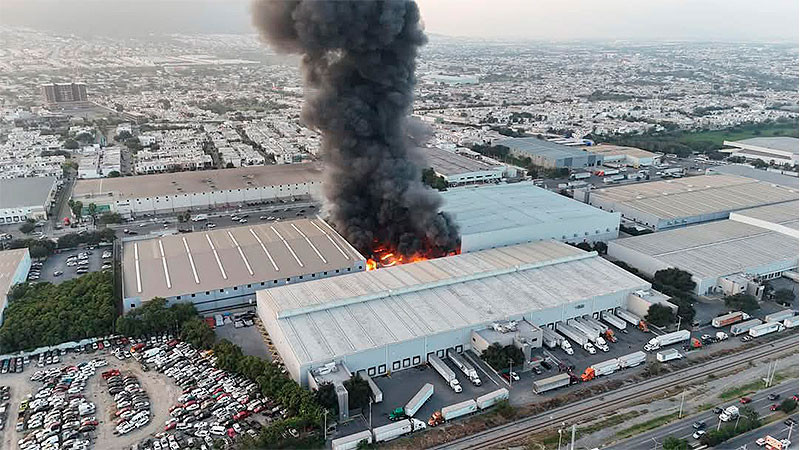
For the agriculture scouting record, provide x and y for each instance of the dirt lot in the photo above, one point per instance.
(162, 392)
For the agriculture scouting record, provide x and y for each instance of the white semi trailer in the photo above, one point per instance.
(591, 332)
(581, 339)
(464, 366)
(397, 429)
(351, 441)
(629, 317)
(459, 409)
(446, 373)
(614, 320)
(667, 339)
(553, 340)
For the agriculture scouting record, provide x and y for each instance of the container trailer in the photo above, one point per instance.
(591, 332)
(550, 383)
(667, 339)
(668, 355)
(418, 400)
(459, 409)
(464, 366)
(767, 328)
(729, 319)
(632, 359)
(397, 429)
(576, 336)
(779, 316)
(628, 316)
(351, 441)
(446, 373)
(490, 399)
(744, 327)
(614, 320)
(580, 175)
(791, 322)
(550, 338)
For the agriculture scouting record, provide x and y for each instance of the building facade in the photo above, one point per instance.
(26, 198)
(64, 92)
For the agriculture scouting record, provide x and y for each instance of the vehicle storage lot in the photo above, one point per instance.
(58, 262)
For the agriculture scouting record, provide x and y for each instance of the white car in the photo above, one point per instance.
(698, 434)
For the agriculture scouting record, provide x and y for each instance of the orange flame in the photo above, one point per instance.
(386, 257)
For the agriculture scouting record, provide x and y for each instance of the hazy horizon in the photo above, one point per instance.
(542, 20)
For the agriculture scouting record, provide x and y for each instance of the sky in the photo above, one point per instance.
(549, 20)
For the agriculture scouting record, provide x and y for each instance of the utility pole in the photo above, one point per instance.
(737, 423)
(510, 367)
(679, 322)
(559, 438)
(572, 442)
(680, 411)
(370, 414)
(325, 426)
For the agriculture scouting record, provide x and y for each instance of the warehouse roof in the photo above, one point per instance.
(507, 206)
(23, 192)
(693, 196)
(188, 263)
(608, 149)
(9, 263)
(781, 213)
(197, 181)
(331, 317)
(451, 163)
(539, 147)
(784, 144)
(717, 248)
(746, 170)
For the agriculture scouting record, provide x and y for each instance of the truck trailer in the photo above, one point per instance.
(576, 336)
(667, 339)
(464, 366)
(490, 399)
(632, 359)
(446, 373)
(729, 319)
(397, 429)
(668, 355)
(548, 384)
(744, 327)
(791, 322)
(600, 369)
(767, 328)
(418, 400)
(590, 331)
(351, 441)
(580, 175)
(614, 320)
(628, 316)
(779, 316)
(550, 337)
(459, 409)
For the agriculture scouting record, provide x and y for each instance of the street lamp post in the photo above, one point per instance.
(559, 438)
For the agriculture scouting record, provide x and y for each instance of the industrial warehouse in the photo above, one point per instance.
(26, 198)
(14, 267)
(198, 190)
(549, 154)
(221, 268)
(675, 203)
(506, 214)
(395, 318)
(458, 170)
(728, 256)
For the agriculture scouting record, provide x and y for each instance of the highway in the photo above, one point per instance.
(779, 430)
(610, 401)
(683, 428)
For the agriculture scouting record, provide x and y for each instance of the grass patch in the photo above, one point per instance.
(648, 425)
(551, 439)
(745, 389)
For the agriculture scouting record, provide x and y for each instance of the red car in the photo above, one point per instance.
(745, 400)
(170, 426)
(774, 407)
(241, 415)
(794, 397)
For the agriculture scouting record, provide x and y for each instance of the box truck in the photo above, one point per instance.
(767, 328)
(490, 399)
(548, 384)
(632, 359)
(744, 327)
(667, 339)
(418, 400)
(464, 366)
(729, 319)
(668, 355)
(446, 373)
(614, 320)
(779, 316)
(576, 336)
(351, 441)
(397, 429)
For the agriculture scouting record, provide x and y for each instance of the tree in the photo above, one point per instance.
(184, 216)
(783, 296)
(358, 392)
(498, 356)
(660, 315)
(229, 165)
(114, 174)
(71, 144)
(326, 397)
(92, 209)
(671, 280)
(110, 217)
(601, 247)
(28, 226)
(585, 246)
(433, 180)
(76, 206)
(196, 332)
(133, 144)
(123, 136)
(742, 302)
(788, 405)
(673, 443)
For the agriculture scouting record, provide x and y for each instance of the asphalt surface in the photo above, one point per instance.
(683, 428)
(777, 430)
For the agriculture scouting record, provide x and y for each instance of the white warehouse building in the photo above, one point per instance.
(394, 318)
(507, 214)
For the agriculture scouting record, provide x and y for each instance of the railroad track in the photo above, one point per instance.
(614, 399)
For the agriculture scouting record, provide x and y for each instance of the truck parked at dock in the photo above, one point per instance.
(446, 373)
(729, 319)
(464, 366)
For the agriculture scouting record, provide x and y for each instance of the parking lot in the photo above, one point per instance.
(58, 263)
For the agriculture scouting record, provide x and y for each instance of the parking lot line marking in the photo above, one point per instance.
(263, 247)
(346, 256)
(191, 260)
(216, 256)
(325, 261)
(289, 247)
(241, 253)
(164, 264)
(138, 272)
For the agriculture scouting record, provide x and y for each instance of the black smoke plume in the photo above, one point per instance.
(358, 63)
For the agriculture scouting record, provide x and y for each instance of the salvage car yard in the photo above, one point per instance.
(156, 393)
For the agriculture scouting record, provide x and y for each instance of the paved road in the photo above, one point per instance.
(778, 430)
(683, 428)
